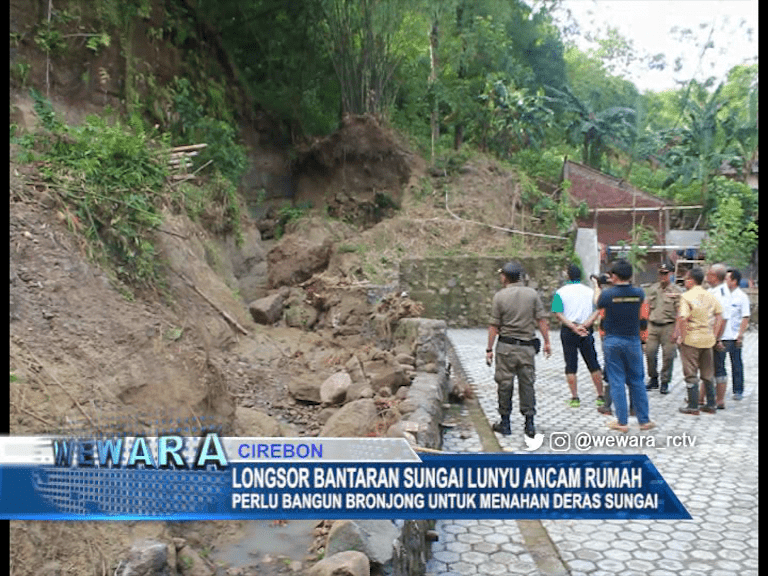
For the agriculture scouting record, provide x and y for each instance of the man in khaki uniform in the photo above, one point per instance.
(698, 322)
(663, 299)
(515, 313)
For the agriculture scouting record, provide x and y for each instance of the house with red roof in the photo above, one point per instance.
(616, 207)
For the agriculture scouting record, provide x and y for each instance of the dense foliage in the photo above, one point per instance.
(109, 179)
(493, 75)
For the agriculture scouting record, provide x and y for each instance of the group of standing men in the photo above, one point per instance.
(705, 325)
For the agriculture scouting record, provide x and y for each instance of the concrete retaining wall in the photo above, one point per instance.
(460, 290)
(424, 405)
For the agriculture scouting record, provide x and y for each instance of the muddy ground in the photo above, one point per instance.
(85, 354)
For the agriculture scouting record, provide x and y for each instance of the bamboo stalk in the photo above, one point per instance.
(188, 147)
(234, 323)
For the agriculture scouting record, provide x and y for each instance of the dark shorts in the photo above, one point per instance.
(572, 345)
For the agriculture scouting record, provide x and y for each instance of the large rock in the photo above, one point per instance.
(375, 538)
(354, 367)
(384, 372)
(349, 563)
(250, 422)
(353, 420)
(306, 390)
(334, 389)
(298, 312)
(296, 258)
(146, 558)
(267, 310)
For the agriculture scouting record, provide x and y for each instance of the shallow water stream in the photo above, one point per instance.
(290, 539)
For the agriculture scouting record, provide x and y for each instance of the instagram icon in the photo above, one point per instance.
(559, 441)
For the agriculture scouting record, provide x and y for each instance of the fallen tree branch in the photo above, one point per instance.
(224, 314)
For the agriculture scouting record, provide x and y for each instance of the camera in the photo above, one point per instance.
(602, 279)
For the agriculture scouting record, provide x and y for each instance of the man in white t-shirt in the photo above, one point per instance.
(573, 306)
(733, 335)
(718, 288)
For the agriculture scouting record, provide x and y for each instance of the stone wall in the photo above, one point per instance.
(460, 290)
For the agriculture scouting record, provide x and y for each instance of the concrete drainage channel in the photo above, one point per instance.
(536, 540)
(424, 412)
(360, 547)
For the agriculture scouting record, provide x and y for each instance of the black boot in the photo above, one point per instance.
(664, 388)
(530, 429)
(503, 427)
(652, 383)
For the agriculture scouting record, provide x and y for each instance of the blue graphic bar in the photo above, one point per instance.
(450, 486)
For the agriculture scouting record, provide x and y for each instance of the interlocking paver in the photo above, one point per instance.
(714, 475)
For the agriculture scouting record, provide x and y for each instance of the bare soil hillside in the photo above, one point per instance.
(86, 355)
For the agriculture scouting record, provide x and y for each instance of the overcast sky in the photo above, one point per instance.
(649, 23)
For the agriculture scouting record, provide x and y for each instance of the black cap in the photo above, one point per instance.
(511, 270)
(665, 267)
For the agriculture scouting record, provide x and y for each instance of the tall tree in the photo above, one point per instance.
(698, 147)
(741, 91)
(359, 35)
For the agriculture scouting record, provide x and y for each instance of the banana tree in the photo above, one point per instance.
(698, 149)
(744, 145)
(512, 118)
(596, 132)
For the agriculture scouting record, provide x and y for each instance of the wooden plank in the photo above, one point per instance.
(189, 147)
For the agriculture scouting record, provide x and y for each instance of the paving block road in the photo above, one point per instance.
(709, 462)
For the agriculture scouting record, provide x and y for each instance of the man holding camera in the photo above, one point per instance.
(622, 346)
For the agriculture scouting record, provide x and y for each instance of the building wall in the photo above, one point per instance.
(613, 227)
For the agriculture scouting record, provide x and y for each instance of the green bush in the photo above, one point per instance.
(546, 164)
(195, 124)
(287, 214)
(108, 179)
(730, 239)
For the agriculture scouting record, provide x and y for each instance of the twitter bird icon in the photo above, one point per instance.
(534, 443)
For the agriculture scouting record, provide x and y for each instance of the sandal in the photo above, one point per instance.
(647, 425)
(614, 425)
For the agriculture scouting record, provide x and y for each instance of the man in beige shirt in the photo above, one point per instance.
(699, 324)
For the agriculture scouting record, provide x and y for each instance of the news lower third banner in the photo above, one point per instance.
(213, 478)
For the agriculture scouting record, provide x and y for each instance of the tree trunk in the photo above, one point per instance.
(458, 138)
(433, 45)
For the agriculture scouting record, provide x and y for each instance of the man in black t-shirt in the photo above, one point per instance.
(622, 347)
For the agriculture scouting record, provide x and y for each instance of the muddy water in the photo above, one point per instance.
(267, 538)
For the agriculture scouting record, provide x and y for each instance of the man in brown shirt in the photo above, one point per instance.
(515, 313)
(663, 298)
